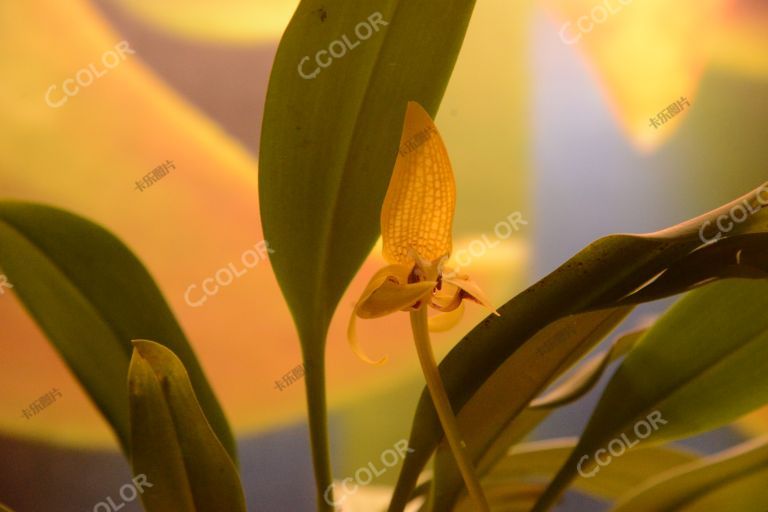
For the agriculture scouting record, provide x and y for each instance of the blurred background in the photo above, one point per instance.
(560, 112)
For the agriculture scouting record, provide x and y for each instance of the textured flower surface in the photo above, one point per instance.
(416, 222)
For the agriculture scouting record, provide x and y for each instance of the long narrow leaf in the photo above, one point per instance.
(610, 272)
(174, 447)
(343, 75)
(682, 487)
(706, 355)
(507, 393)
(91, 296)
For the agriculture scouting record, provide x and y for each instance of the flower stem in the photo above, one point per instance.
(443, 408)
(314, 379)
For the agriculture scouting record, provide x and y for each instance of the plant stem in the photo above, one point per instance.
(314, 381)
(443, 408)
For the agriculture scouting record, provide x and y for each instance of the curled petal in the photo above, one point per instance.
(447, 298)
(446, 321)
(470, 290)
(355, 344)
(386, 293)
(418, 209)
(389, 292)
(391, 298)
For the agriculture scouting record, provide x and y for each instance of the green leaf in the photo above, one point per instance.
(174, 446)
(610, 272)
(587, 374)
(700, 367)
(448, 481)
(329, 143)
(91, 296)
(519, 380)
(539, 461)
(515, 483)
(746, 493)
(328, 146)
(730, 480)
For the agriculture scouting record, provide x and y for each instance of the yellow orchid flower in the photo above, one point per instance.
(416, 223)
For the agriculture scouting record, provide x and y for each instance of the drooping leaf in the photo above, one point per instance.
(746, 493)
(523, 423)
(332, 124)
(587, 374)
(516, 483)
(611, 271)
(538, 461)
(706, 355)
(737, 474)
(507, 393)
(91, 296)
(174, 446)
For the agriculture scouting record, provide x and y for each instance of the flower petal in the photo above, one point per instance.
(392, 297)
(446, 321)
(417, 213)
(387, 292)
(355, 344)
(471, 291)
(447, 298)
(396, 274)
